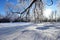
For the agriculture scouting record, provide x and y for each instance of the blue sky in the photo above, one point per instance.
(2, 5)
(3, 2)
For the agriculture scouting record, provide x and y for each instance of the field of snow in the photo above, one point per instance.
(29, 31)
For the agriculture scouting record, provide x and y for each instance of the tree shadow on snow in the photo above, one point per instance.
(10, 30)
(45, 27)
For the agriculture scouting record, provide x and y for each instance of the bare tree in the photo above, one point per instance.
(1, 16)
(38, 10)
(9, 8)
(55, 15)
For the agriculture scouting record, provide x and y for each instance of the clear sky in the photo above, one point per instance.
(2, 5)
(3, 2)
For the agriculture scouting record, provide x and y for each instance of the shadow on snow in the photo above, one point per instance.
(10, 30)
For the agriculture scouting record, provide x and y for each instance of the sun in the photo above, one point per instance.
(47, 12)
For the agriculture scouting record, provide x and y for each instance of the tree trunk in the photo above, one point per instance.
(38, 11)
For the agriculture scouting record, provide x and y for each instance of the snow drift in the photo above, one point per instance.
(43, 31)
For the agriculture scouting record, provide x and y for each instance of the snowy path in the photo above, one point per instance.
(29, 31)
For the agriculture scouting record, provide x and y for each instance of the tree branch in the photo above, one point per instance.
(28, 7)
(51, 3)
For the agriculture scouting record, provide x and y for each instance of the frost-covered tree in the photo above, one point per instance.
(24, 7)
(38, 8)
(9, 8)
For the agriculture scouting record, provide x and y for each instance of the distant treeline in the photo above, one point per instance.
(22, 20)
(3, 20)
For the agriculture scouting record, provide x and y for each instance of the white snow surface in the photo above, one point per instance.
(30, 31)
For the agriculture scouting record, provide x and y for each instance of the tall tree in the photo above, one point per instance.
(38, 9)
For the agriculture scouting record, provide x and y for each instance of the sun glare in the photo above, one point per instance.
(47, 12)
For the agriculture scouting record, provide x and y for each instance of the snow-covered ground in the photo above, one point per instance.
(29, 31)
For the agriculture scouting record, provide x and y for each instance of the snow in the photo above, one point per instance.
(29, 31)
